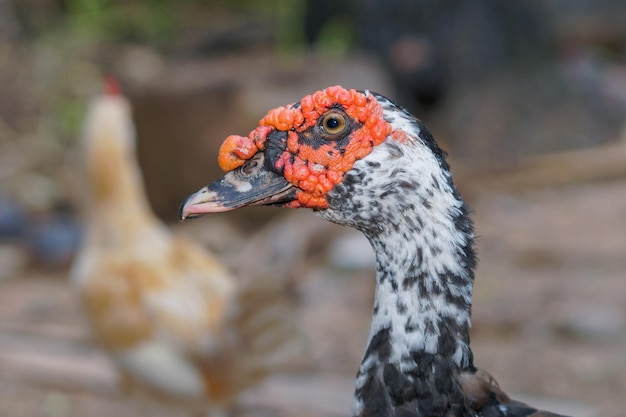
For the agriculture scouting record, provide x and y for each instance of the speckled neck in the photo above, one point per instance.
(402, 198)
(421, 317)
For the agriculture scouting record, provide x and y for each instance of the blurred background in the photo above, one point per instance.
(528, 98)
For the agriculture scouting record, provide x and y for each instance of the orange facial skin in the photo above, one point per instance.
(312, 161)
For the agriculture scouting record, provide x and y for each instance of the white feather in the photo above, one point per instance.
(162, 368)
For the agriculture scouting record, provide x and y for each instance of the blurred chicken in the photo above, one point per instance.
(172, 318)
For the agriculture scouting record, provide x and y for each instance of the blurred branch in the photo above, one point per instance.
(600, 163)
(55, 362)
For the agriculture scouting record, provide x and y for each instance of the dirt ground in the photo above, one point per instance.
(549, 316)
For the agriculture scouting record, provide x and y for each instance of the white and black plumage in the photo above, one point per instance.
(359, 160)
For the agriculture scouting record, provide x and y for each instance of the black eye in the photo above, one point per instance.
(333, 123)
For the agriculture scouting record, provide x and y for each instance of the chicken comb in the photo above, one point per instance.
(111, 86)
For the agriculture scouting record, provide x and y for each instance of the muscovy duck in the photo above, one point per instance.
(358, 159)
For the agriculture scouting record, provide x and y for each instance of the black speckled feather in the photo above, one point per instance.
(418, 362)
(399, 193)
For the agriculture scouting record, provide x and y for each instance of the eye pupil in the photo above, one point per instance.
(332, 123)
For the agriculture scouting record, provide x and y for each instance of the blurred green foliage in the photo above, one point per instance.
(156, 22)
(148, 20)
(71, 41)
(66, 44)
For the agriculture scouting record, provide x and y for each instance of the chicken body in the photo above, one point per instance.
(171, 317)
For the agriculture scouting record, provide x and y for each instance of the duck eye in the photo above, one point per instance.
(333, 123)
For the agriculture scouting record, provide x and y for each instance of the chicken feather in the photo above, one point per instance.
(172, 317)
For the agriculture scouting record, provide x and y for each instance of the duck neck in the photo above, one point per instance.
(419, 337)
(423, 296)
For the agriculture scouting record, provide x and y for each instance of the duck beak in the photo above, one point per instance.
(252, 184)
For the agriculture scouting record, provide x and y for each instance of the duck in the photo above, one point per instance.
(181, 328)
(357, 159)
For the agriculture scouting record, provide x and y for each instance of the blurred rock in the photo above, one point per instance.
(593, 322)
(564, 407)
(37, 192)
(351, 250)
(322, 394)
(13, 260)
(53, 239)
(13, 219)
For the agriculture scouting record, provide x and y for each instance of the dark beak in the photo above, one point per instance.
(252, 184)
